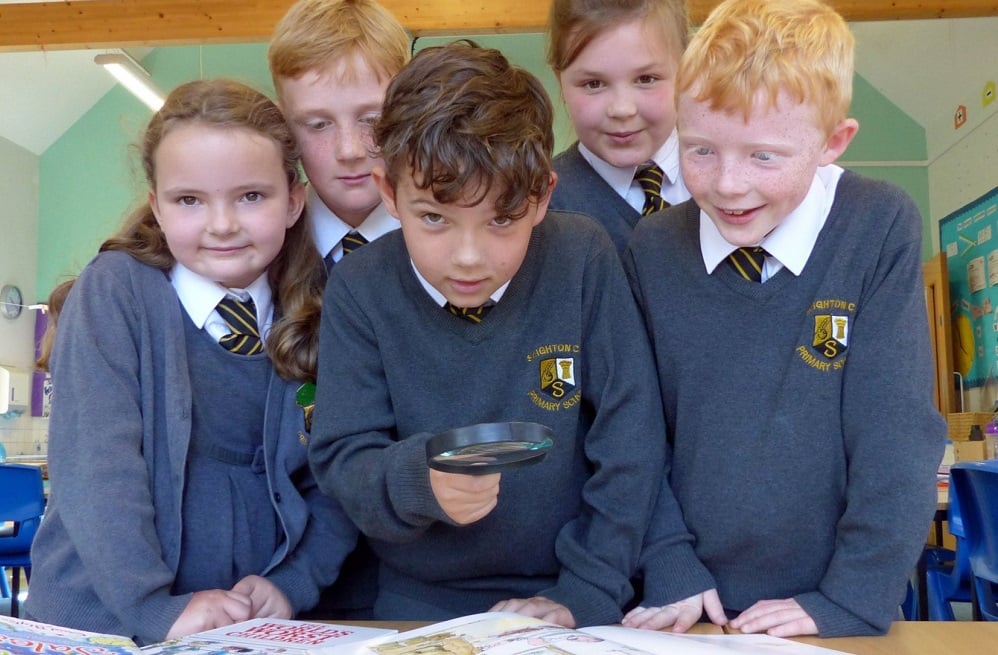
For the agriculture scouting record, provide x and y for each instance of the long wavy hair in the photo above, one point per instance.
(296, 275)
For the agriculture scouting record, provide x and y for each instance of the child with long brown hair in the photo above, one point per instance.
(181, 496)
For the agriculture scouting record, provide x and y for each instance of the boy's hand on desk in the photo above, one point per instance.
(209, 609)
(538, 607)
(680, 616)
(779, 618)
(266, 600)
(465, 498)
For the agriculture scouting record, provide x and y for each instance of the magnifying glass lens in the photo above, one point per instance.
(488, 447)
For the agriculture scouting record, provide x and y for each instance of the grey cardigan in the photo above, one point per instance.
(105, 556)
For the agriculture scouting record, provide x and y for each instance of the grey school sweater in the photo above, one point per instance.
(581, 189)
(805, 440)
(396, 368)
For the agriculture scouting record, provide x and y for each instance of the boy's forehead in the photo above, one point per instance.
(476, 191)
(351, 67)
(786, 121)
(717, 99)
(326, 88)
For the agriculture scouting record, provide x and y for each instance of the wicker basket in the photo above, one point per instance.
(960, 423)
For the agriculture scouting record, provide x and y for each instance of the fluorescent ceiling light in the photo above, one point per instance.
(133, 77)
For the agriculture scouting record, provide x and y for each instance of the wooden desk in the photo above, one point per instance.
(908, 638)
(920, 638)
(904, 638)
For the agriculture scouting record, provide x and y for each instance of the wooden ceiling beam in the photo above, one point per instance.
(84, 24)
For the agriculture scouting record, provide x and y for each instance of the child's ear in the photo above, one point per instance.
(839, 140)
(153, 204)
(385, 189)
(296, 203)
(542, 204)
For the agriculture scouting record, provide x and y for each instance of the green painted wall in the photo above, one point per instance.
(85, 186)
(887, 134)
(90, 178)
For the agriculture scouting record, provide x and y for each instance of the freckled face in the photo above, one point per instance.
(331, 114)
(750, 175)
(619, 93)
(465, 252)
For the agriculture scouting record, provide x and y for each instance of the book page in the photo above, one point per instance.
(493, 633)
(683, 644)
(20, 636)
(268, 636)
(506, 633)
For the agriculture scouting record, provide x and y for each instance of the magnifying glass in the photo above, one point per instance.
(488, 447)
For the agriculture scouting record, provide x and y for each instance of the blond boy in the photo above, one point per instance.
(331, 61)
(786, 309)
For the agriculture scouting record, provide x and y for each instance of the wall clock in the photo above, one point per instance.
(10, 301)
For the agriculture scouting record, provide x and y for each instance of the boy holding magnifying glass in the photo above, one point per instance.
(487, 308)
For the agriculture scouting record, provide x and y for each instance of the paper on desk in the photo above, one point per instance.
(504, 633)
(687, 644)
(269, 637)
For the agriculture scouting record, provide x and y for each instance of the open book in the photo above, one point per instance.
(502, 633)
(269, 636)
(253, 637)
(494, 633)
(18, 636)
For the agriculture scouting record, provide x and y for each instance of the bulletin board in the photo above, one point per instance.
(969, 237)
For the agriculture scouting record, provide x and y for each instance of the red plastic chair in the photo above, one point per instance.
(22, 504)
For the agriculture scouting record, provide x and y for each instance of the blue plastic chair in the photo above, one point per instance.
(22, 504)
(909, 606)
(975, 484)
(947, 572)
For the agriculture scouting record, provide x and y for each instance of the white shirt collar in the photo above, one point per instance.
(199, 296)
(621, 180)
(667, 157)
(328, 228)
(439, 297)
(791, 242)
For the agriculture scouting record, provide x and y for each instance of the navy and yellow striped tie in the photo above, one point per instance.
(651, 179)
(748, 262)
(352, 241)
(348, 243)
(241, 319)
(473, 314)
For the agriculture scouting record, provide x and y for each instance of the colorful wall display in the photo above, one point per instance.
(969, 237)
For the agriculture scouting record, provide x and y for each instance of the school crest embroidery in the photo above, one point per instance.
(305, 398)
(557, 376)
(831, 335)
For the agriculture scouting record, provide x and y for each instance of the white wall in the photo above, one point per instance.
(965, 172)
(18, 265)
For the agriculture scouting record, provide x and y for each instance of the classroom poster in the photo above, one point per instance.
(969, 237)
(41, 381)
